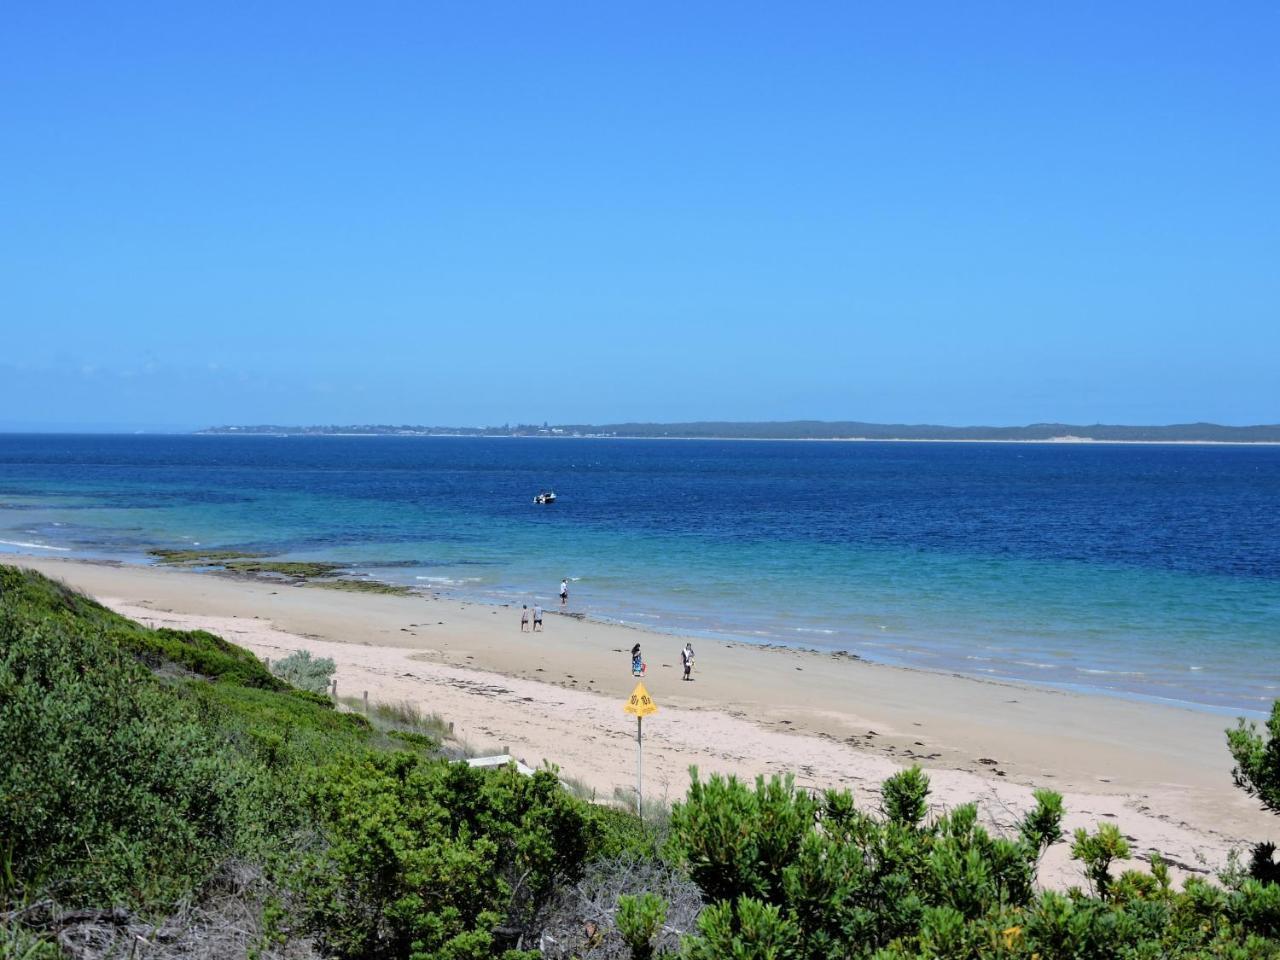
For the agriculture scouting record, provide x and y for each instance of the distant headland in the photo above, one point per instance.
(801, 430)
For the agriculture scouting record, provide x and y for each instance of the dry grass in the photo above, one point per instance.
(403, 715)
(580, 922)
(226, 919)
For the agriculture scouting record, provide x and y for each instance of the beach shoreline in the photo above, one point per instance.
(1162, 773)
(456, 592)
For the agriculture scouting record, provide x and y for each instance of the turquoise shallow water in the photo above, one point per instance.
(1147, 571)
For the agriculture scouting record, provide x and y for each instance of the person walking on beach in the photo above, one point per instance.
(686, 658)
(637, 662)
(524, 617)
(537, 617)
(564, 592)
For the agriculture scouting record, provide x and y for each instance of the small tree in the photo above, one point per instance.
(1097, 851)
(1257, 769)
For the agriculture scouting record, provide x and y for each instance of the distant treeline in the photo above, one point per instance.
(806, 430)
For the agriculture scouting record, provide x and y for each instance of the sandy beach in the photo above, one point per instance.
(1162, 773)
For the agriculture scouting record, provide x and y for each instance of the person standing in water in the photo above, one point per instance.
(686, 657)
(537, 617)
(524, 617)
(564, 592)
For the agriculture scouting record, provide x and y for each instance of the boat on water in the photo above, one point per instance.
(546, 496)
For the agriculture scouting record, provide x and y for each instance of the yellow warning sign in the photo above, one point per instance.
(640, 704)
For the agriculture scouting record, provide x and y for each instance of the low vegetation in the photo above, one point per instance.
(305, 672)
(165, 795)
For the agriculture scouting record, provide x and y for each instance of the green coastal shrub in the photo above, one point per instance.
(640, 919)
(791, 875)
(123, 784)
(427, 859)
(1257, 759)
(305, 672)
(111, 789)
(27, 597)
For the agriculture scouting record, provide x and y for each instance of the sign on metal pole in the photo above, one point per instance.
(640, 705)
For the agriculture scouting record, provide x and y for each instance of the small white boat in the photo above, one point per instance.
(546, 496)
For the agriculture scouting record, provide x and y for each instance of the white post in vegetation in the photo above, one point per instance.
(366, 703)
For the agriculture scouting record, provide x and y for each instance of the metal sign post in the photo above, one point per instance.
(640, 705)
(640, 766)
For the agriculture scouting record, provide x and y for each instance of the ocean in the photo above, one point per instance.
(1147, 571)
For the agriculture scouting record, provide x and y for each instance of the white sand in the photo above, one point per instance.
(1161, 773)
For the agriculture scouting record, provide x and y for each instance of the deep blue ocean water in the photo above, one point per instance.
(1142, 570)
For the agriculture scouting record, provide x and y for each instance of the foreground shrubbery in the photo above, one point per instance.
(169, 775)
(129, 786)
(790, 875)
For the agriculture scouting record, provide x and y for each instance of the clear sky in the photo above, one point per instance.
(476, 213)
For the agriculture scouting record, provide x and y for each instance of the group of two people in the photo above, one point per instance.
(638, 666)
(524, 617)
(537, 609)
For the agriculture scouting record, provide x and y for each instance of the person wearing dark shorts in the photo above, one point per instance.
(537, 617)
(564, 592)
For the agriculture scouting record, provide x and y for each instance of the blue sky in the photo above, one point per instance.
(480, 213)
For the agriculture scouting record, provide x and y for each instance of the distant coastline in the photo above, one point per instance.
(799, 430)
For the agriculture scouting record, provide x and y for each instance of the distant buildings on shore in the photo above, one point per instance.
(803, 430)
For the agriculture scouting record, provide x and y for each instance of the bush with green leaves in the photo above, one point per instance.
(305, 672)
(437, 859)
(28, 597)
(110, 789)
(794, 875)
(640, 919)
(1257, 759)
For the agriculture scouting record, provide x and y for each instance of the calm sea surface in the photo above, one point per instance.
(1149, 571)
